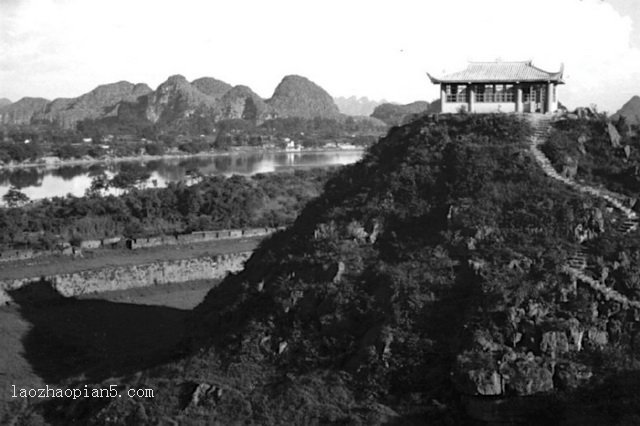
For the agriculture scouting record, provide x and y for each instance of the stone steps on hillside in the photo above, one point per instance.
(607, 292)
(541, 129)
(628, 225)
(577, 262)
(577, 265)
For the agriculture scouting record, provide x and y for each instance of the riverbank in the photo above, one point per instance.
(57, 163)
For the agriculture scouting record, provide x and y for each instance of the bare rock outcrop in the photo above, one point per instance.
(297, 96)
(175, 99)
(66, 112)
(22, 111)
(241, 102)
(5, 299)
(614, 136)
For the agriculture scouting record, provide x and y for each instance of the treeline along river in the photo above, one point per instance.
(38, 183)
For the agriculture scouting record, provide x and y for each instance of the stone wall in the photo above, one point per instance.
(132, 276)
(137, 243)
(197, 237)
(11, 255)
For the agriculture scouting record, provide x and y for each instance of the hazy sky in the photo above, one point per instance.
(379, 49)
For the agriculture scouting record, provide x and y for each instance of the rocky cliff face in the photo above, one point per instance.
(242, 102)
(297, 96)
(176, 99)
(22, 111)
(95, 104)
(66, 112)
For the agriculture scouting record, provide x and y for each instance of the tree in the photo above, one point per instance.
(99, 184)
(156, 148)
(15, 198)
(130, 175)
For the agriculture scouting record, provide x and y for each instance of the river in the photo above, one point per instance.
(38, 183)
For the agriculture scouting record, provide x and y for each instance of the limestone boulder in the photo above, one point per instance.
(554, 343)
(5, 299)
(571, 375)
(376, 230)
(356, 231)
(597, 337)
(476, 373)
(526, 375)
(582, 139)
(576, 334)
(614, 136)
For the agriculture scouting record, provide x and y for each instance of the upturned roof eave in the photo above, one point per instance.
(555, 77)
(436, 80)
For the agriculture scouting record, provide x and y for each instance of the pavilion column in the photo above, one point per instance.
(443, 98)
(472, 98)
(549, 97)
(519, 98)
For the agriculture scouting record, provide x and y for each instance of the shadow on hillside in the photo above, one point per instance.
(95, 339)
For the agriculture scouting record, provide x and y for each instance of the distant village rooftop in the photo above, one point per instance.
(499, 87)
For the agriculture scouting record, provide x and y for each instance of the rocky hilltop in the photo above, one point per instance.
(630, 111)
(4, 102)
(22, 111)
(211, 87)
(66, 112)
(433, 282)
(394, 114)
(97, 103)
(175, 99)
(241, 102)
(297, 96)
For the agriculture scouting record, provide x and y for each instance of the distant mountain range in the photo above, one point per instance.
(630, 110)
(177, 100)
(174, 100)
(394, 114)
(357, 106)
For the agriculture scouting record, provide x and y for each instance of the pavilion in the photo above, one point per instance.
(499, 87)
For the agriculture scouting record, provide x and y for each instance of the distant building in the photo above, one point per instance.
(291, 146)
(499, 87)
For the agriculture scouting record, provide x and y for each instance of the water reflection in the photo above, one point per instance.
(41, 183)
(21, 178)
(96, 169)
(70, 172)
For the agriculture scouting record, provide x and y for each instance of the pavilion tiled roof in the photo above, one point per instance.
(481, 72)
